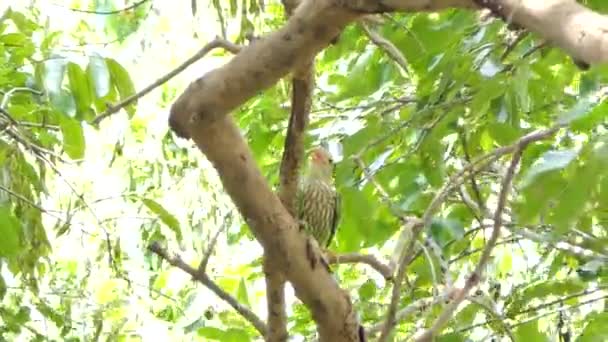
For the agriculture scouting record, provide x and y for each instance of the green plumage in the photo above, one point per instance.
(319, 207)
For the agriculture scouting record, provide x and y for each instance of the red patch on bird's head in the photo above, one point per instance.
(321, 156)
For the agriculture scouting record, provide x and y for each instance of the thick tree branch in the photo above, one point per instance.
(260, 65)
(275, 302)
(222, 143)
(580, 32)
(293, 152)
(212, 45)
(204, 279)
(576, 29)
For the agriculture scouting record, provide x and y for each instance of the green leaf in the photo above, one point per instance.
(529, 332)
(3, 287)
(581, 186)
(64, 102)
(242, 295)
(13, 39)
(166, 217)
(431, 155)
(10, 229)
(503, 133)
(368, 290)
(355, 142)
(445, 230)
(228, 335)
(54, 71)
(49, 41)
(211, 333)
(595, 329)
(122, 81)
(542, 290)
(73, 138)
(451, 337)
(79, 85)
(364, 78)
(549, 161)
(539, 196)
(522, 76)
(99, 75)
(488, 91)
(582, 107)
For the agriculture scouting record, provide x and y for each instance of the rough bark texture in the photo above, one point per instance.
(293, 151)
(275, 299)
(576, 29)
(276, 230)
(580, 32)
(260, 65)
(293, 154)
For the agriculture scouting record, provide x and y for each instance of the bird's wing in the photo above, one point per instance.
(336, 216)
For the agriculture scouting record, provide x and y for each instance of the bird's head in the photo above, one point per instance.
(321, 164)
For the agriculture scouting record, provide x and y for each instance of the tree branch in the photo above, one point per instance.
(202, 267)
(579, 31)
(204, 279)
(212, 45)
(275, 229)
(417, 307)
(293, 152)
(387, 46)
(476, 275)
(353, 258)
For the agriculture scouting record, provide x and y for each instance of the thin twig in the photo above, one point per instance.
(538, 307)
(477, 274)
(202, 267)
(117, 11)
(352, 258)
(408, 252)
(24, 199)
(390, 321)
(204, 279)
(418, 307)
(7, 96)
(387, 46)
(214, 44)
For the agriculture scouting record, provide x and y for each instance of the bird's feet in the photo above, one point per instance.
(313, 258)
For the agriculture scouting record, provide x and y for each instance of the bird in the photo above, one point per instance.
(318, 202)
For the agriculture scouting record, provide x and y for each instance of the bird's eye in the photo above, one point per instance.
(330, 160)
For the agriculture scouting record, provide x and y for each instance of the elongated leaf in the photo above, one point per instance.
(242, 294)
(582, 107)
(79, 85)
(99, 75)
(73, 138)
(122, 81)
(551, 160)
(595, 329)
(54, 71)
(10, 229)
(164, 215)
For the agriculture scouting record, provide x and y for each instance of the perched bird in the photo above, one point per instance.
(318, 202)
